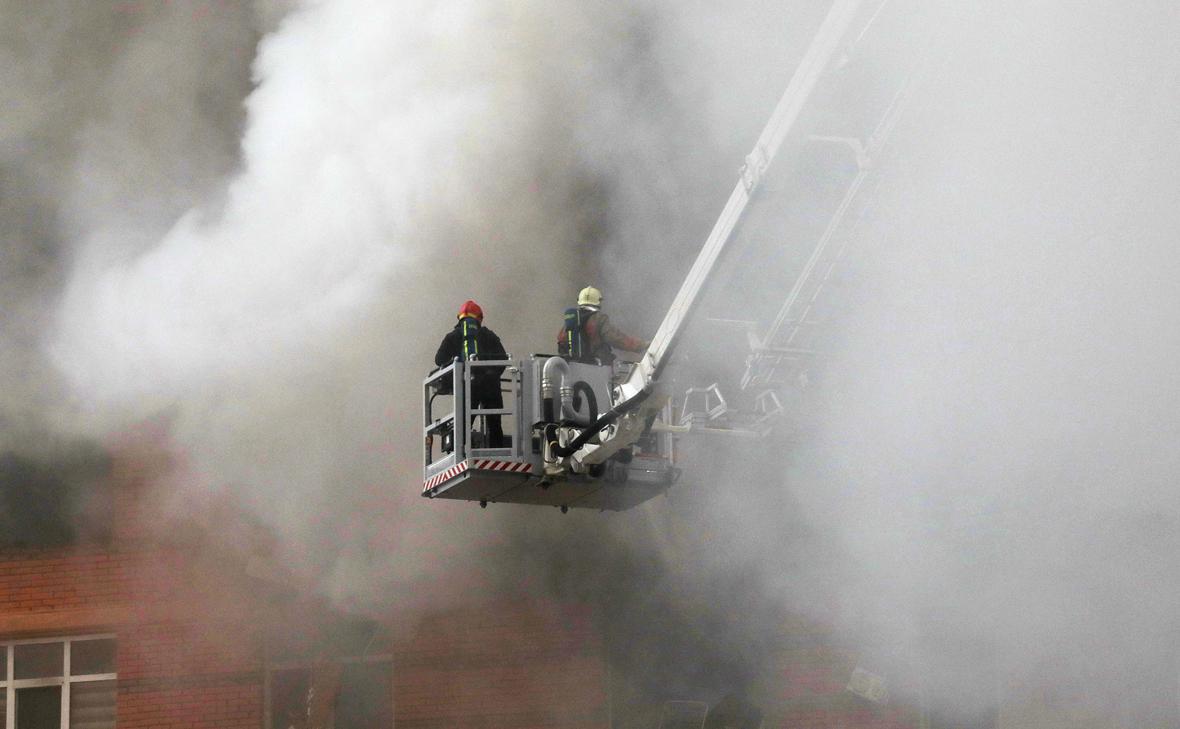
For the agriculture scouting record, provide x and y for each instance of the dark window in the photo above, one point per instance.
(38, 708)
(288, 698)
(92, 656)
(36, 504)
(364, 700)
(52, 501)
(34, 697)
(37, 660)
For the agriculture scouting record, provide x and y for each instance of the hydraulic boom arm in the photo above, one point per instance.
(634, 402)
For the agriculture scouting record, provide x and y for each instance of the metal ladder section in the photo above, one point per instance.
(781, 356)
(632, 400)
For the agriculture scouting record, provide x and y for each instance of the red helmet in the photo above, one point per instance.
(470, 308)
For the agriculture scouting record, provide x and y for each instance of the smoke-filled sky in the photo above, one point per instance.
(256, 220)
(989, 444)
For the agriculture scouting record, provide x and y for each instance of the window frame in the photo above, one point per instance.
(10, 685)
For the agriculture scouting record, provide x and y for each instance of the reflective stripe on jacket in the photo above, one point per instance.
(467, 341)
(601, 335)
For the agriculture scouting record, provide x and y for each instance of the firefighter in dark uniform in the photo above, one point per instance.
(471, 340)
(587, 334)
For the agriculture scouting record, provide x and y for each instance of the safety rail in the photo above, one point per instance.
(450, 436)
(439, 430)
(478, 444)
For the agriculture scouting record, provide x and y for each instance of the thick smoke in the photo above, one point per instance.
(112, 115)
(115, 116)
(998, 449)
(256, 221)
(981, 497)
(978, 496)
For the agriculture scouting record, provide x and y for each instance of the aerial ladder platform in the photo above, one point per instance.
(600, 436)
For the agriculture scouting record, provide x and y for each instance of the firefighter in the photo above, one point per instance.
(471, 340)
(587, 334)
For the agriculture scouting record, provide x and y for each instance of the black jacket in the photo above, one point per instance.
(487, 344)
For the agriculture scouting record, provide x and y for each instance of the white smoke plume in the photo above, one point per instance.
(259, 220)
(265, 216)
(982, 497)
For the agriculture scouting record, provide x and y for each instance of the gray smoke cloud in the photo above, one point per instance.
(259, 219)
(1001, 436)
(980, 495)
(115, 116)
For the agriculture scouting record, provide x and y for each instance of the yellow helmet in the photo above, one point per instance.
(589, 296)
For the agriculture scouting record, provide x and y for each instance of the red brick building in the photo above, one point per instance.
(136, 620)
(144, 622)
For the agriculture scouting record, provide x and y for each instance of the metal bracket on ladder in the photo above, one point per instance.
(768, 408)
(863, 161)
(709, 401)
(754, 168)
(705, 411)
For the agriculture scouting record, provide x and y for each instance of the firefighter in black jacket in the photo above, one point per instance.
(470, 340)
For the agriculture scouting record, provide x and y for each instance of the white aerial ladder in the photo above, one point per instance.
(582, 435)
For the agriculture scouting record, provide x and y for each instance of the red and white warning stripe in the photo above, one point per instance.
(438, 478)
(482, 464)
(509, 466)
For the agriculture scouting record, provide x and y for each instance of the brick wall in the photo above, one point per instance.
(188, 655)
(43, 580)
(807, 687)
(191, 627)
(193, 706)
(504, 664)
(191, 674)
